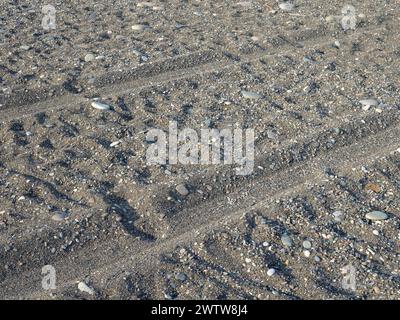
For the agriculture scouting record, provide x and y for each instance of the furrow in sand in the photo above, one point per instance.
(25, 103)
(205, 217)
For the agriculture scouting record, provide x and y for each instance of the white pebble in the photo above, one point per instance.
(139, 27)
(100, 106)
(286, 6)
(307, 253)
(368, 103)
(271, 272)
(89, 57)
(83, 287)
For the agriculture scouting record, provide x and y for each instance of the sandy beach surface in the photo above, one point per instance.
(318, 216)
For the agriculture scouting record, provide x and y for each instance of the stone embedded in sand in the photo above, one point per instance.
(100, 106)
(83, 287)
(139, 27)
(376, 215)
(330, 19)
(145, 4)
(89, 57)
(287, 240)
(271, 272)
(368, 103)
(338, 216)
(251, 95)
(115, 143)
(180, 276)
(59, 216)
(307, 244)
(286, 6)
(182, 190)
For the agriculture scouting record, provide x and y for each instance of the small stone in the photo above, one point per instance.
(100, 106)
(89, 57)
(306, 253)
(180, 276)
(139, 27)
(330, 19)
(182, 190)
(307, 244)
(336, 44)
(168, 296)
(368, 103)
(251, 95)
(247, 260)
(287, 240)
(24, 47)
(59, 216)
(271, 272)
(286, 6)
(375, 232)
(376, 215)
(83, 287)
(362, 16)
(115, 143)
(317, 259)
(271, 134)
(338, 216)
(145, 4)
(372, 187)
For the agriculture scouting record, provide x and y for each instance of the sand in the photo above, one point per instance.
(77, 192)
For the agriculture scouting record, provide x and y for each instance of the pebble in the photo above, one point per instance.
(307, 253)
(271, 272)
(376, 215)
(287, 240)
(24, 47)
(307, 244)
(338, 216)
(115, 143)
(139, 27)
(251, 95)
(375, 232)
(100, 106)
(368, 103)
(271, 134)
(180, 276)
(89, 57)
(182, 190)
(336, 44)
(286, 6)
(59, 216)
(317, 259)
(83, 287)
(145, 4)
(330, 19)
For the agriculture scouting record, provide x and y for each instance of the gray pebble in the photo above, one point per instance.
(89, 57)
(368, 103)
(139, 27)
(182, 190)
(286, 6)
(180, 276)
(376, 215)
(251, 95)
(287, 240)
(59, 216)
(338, 216)
(307, 244)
